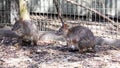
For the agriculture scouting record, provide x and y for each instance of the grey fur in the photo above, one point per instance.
(27, 30)
(107, 41)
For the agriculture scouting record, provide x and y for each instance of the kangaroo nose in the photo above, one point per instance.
(12, 29)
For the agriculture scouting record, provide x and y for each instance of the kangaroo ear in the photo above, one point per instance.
(65, 26)
(16, 19)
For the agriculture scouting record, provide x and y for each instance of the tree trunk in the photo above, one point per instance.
(24, 14)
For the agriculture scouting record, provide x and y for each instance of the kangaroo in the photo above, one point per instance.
(27, 30)
(78, 37)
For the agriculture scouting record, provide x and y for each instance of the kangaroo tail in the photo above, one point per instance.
(106, 41)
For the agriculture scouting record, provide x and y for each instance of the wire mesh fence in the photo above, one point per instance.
(4, 11)
(44, 14)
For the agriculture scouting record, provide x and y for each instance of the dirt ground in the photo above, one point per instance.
(13, 55)
(56, 56)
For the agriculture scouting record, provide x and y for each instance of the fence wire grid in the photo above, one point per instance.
(43, 13)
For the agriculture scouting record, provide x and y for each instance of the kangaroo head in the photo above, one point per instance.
(18, 27)
(63, 29)
(18, 24)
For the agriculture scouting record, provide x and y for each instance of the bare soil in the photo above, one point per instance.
(13, 55)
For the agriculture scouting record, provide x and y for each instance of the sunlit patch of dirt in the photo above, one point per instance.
(53, 56)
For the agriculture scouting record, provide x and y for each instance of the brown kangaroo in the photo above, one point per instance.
(79, 37)
(27, 30)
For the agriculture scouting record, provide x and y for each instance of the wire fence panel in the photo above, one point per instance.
(43, 13)
(4, 11)
(9, 10)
